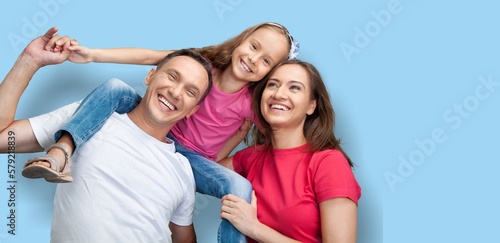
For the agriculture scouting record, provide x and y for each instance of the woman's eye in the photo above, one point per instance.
(271, 84)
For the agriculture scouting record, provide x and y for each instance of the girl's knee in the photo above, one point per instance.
(115, 83)
(242, 188)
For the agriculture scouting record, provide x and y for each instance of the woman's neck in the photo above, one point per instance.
(226, 82)
(285, 138)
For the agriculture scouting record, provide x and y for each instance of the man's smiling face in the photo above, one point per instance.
(175, 89)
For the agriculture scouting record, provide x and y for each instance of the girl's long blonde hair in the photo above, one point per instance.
(220, 55)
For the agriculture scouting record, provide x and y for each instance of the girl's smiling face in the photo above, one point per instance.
(258, 53)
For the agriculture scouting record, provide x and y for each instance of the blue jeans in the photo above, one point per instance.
(216, 180)
(211, 178)
(97, 107)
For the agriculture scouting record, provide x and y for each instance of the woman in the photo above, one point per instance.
(301, 176)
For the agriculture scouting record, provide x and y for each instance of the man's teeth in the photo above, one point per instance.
(280, 107)
(166, 103)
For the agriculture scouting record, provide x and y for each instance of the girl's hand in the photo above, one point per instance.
(241, 215)
(79, 54)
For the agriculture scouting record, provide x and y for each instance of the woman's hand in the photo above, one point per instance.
(242, 215)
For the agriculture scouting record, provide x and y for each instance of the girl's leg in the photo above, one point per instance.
(95, 109)
(216, 180)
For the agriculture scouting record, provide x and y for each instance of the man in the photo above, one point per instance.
(128, 185)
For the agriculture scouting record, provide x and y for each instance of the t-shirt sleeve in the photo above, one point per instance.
(334, 178)
(239, 161)
(183, 215)
(46, 125)
(247, 110)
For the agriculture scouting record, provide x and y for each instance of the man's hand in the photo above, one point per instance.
(79, 54)
(33, 57)
(40, 55)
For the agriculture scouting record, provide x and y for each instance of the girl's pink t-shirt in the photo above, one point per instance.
(219, 116)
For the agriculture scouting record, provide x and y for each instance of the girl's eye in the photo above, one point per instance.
(267, 62)
(254, 47)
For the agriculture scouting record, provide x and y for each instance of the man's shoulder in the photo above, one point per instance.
(185, 166)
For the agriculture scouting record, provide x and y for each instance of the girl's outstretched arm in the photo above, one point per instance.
(143, 56)
(82, 54)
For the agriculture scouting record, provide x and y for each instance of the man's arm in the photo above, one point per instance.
(19, 138)
(182, 234)
(33, 57)
(13, 86)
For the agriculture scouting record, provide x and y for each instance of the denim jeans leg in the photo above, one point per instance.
(97, 107)
(216, 180)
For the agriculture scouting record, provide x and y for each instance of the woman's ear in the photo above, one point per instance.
(150, 76)
(312, 107)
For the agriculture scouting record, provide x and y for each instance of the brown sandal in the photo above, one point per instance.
(51, 174)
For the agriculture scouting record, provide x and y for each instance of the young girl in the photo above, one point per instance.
(203, 138)
(302, 178)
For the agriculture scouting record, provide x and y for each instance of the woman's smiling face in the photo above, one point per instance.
(286, 99)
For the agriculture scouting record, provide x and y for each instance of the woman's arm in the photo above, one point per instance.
(338, 220)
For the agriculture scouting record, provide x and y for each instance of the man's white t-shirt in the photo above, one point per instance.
(127, 185)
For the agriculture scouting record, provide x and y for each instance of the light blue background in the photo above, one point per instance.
(412, 65)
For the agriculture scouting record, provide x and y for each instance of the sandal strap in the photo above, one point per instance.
(66, 155)
(62, 148)
(48, 158)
